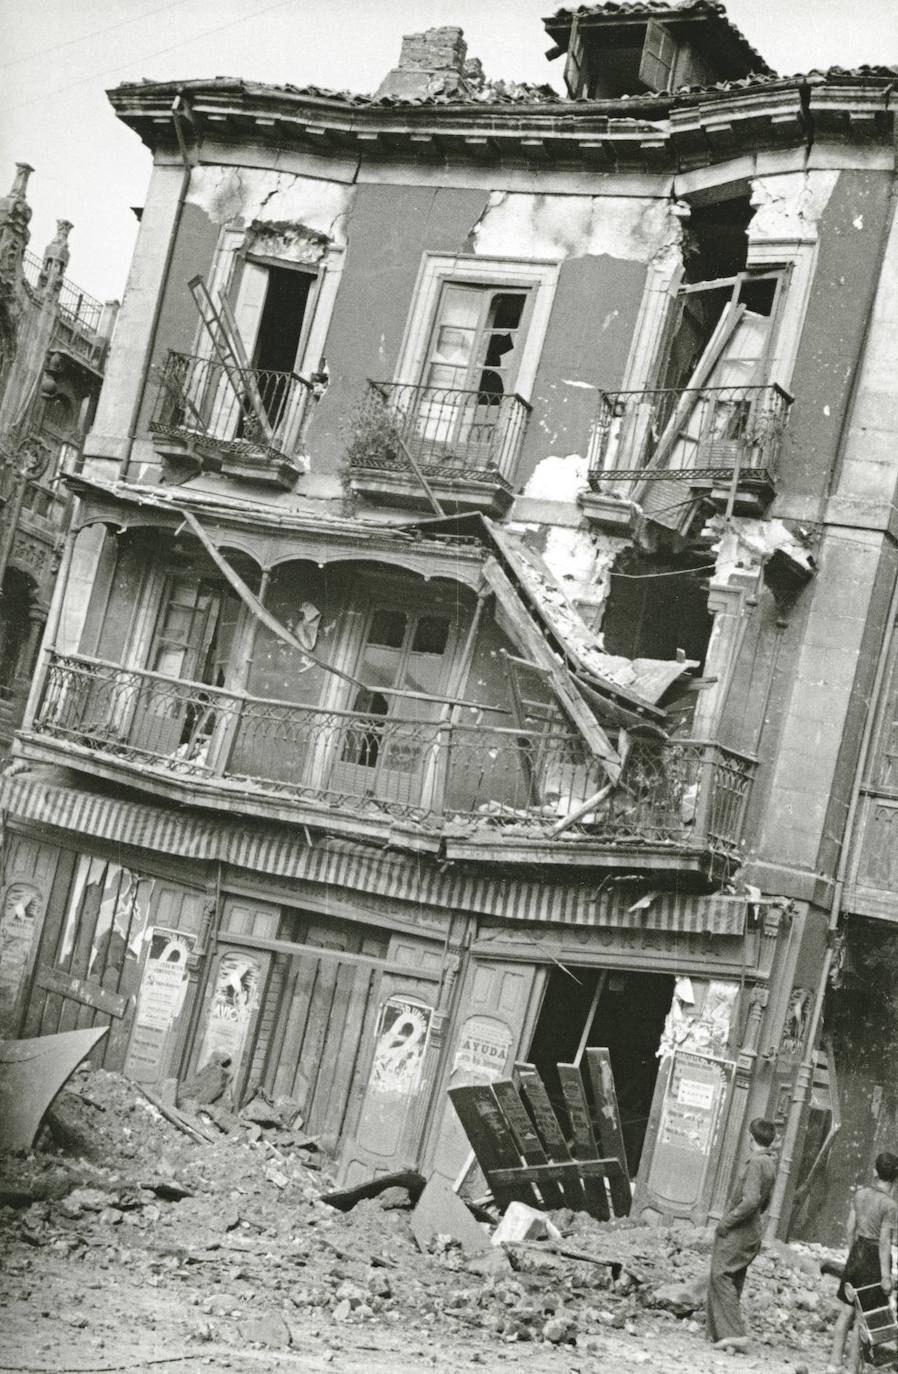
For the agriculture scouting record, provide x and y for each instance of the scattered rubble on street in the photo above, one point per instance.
(215, 1243)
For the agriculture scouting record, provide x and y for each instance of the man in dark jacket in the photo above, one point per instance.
(737, 1238)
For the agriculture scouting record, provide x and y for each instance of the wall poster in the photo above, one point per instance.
(160, 999)
(691, 1116)
(401, 1037)
(21, 906)
(482, 1052)
(402, 1030)
(234, 1000)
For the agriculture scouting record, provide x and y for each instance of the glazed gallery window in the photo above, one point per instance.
(388, 739)
(476, 341)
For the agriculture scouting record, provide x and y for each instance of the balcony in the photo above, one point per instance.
(721, 442)
(243, 424)
(466, 443)
(480, 792)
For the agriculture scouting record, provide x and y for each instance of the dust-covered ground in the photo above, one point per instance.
(128, 1244)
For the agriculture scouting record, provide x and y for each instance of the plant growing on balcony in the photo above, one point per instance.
(373, 436)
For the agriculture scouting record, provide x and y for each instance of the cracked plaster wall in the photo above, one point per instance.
(789, 206)
(632, 229)
(247, 195)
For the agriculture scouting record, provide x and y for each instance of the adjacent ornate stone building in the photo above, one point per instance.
(53, 342)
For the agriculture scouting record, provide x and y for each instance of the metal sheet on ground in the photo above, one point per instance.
(32, 1072)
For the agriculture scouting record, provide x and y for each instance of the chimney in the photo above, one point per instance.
(431, 63)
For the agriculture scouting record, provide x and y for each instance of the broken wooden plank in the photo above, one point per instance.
(616, 1266)
(526, 1138)
(607, 1124)
(80, 990)
(492, 1141)
(532, 640)
(583, 1144)
(551, 1133)
(344, 1199)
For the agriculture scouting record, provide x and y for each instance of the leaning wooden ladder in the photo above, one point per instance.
(522, 1148)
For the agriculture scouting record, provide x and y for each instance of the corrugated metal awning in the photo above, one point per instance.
(282, 852)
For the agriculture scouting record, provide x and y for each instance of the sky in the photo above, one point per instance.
(58, 57)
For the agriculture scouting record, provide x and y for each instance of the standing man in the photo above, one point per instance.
(871, 1230)
(737, 1239)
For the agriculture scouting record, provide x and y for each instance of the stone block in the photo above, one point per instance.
(441, 1212)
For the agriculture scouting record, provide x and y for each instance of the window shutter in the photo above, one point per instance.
(658, 56)
(573, 67)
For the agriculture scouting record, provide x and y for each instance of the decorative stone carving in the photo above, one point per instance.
(56, 254)
(15, 213)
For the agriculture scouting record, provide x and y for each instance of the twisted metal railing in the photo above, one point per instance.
(706, 432)
(450, 433)
(201, 401)
(445, 776)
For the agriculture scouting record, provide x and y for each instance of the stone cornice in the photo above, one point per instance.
(673, 132)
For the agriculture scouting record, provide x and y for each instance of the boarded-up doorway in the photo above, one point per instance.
(309, 1011)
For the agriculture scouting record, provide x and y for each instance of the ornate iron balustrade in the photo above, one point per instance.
(79, 308)
(199, 403)
(456, 778)
(32, 267)
(672, 434)
(451, 434)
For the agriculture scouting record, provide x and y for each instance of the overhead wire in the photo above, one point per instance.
(144, 57)
(94, 33)
(676, 572)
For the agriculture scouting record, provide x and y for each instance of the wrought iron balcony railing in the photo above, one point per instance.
(212, 408)
(451, 434)
(84, 311)
(712, 433)
(458, 779)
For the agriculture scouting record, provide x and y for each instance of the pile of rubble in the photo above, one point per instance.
(235, 1212)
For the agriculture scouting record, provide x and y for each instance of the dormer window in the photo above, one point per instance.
(637, 58)
(615, 51)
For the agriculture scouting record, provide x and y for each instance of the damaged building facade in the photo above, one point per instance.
(483, 558)
(53, 341)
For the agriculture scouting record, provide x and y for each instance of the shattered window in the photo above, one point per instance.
(475, 340)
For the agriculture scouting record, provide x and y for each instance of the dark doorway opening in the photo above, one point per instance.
(282, 315)
(623, 1011)
(277, 342)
